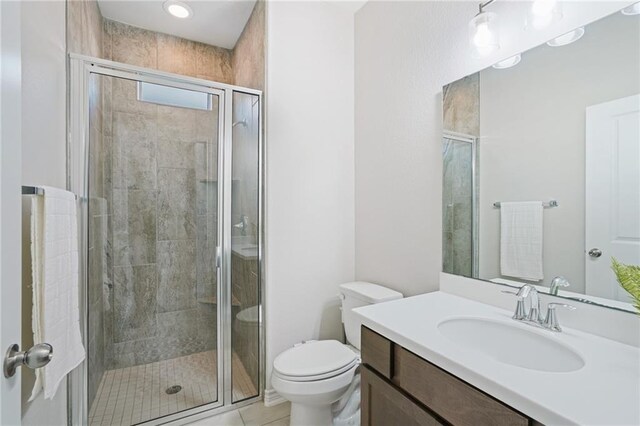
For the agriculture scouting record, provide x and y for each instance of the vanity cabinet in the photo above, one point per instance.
(400, 388)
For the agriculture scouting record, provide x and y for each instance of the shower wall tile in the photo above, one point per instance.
(95, 348)
(84, 28)
(176, 275)
(134, 227)
(205, 160)
(206, 243)
(75, 26)
(176, 55)
(176, 124)
(213, 63)
(206, 197)
(248, 55)
(207, 123)
(134, 145)
(178, 323)
(208, 325)
(461, 105)
(176, 154)
(176, 204)
(132, 45)
(125, 99)
(135, 290)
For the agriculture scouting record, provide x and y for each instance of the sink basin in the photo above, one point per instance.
(511, 344)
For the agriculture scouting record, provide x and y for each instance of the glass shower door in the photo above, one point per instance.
(458, 209)
(245, 239)
(153, 231)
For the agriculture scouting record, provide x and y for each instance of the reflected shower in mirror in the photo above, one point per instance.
(541, 166)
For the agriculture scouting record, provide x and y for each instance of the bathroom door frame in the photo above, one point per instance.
(475, 232)
(80, 69)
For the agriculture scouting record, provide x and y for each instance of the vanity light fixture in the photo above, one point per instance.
(543, 13)
(568, 38)
(508, 63)
(634, 9)
(177, 9)
(483, 31)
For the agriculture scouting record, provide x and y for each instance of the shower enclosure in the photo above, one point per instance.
(169, 168)
(459, 212)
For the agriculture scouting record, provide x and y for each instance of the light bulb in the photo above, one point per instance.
(543, 7)
(483, 33)
(543, 13)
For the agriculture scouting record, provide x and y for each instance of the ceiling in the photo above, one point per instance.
(218, 23)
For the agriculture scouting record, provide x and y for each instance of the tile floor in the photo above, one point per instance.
(252, 415)
(136, 394)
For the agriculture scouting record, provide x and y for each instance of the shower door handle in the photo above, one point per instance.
(218, 257)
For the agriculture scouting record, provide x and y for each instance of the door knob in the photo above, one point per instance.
(36, 357)
(595, 252)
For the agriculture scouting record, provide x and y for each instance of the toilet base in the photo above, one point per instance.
(311, 415)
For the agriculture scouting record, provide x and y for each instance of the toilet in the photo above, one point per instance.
(315, 374)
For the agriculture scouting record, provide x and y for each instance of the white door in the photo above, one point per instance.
(10, 203)
(612, 193)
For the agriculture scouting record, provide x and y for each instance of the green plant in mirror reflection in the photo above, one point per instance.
(629, 278)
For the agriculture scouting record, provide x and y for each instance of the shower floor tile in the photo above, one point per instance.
(131, 395)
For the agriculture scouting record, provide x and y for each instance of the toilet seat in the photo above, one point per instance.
(315, 360)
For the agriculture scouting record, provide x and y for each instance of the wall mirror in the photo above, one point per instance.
(557, 126)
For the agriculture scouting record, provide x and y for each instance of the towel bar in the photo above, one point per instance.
(549, 205)
(35, 190)
(32, 190)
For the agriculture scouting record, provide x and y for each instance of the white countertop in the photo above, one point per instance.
(606, 391)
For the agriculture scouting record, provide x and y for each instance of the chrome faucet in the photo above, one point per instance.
(528, 291)
(532, 315)
(243, 225)
(556, 283)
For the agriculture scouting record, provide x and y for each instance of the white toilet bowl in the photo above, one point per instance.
(316, 374)
(313, 376)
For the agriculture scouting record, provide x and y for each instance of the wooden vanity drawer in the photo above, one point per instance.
(384, 405)
(377, 352)
(449, 397)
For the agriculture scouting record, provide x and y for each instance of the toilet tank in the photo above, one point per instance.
(360, 293)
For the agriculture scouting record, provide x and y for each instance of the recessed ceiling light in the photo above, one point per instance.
(634, 9)
(544, 12)
(177, 9)
(508, 63)
(567, 38)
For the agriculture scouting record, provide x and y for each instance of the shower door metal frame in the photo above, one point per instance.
(473, 140)
(80, 68)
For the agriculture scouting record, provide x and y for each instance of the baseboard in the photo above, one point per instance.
(271, 398)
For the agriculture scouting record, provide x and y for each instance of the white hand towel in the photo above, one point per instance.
(521, 240)
(56, 309)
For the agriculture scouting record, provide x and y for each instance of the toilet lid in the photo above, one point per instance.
(314, 360)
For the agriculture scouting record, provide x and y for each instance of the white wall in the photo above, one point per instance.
(310, 166)
(532, 132)
(405, 53)
(43, 147)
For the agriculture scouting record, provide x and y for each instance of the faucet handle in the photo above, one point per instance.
(520, 312)
(554, 305)
(551, 321)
